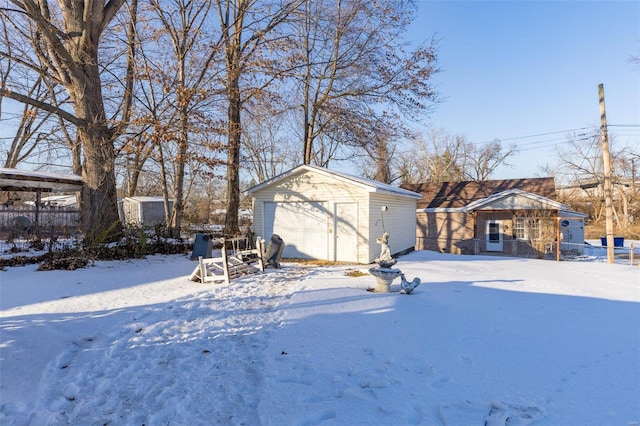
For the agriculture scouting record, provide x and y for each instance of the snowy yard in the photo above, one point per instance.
(483, 341)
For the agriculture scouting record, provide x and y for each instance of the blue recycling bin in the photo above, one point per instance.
(617, 241)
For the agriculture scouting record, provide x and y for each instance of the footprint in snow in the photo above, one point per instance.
(440, 382)
(506, 414)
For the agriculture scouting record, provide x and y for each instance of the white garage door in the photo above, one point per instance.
(302, 226)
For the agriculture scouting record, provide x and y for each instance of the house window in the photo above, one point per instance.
(520, 233)
(494, 232)
(527, 228)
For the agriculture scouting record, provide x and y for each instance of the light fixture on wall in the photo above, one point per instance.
(383, 209)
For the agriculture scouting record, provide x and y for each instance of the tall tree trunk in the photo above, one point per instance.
(307, 108)
(309, 125)
(70, 53)
(99, 202)
(233, 157)
(99, 197)
(178, 187)
(308, 136)
(382, 160)
(165, 185)
(234, 69)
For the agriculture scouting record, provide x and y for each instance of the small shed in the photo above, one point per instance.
(327, 215)
(147, 211)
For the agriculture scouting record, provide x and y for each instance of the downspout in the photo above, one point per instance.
(38, 198)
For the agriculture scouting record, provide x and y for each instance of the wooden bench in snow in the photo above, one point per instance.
(231, 263)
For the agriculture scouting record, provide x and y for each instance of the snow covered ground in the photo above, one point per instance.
(483, 341)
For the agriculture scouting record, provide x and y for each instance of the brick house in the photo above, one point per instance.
(517, 217)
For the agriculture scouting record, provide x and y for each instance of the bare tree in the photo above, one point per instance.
(34, 131)
(540, 231)
(183, 22)
(380, 160)
(443, 155)
(350, 57)
(581, 175)
(65, 37)
(31, 129)
(438, 156)
(482, 161)
(265, 150)
(173, 124)
(248, 32)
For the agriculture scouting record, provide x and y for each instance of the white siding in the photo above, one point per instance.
(518, 202)
(309, 186)
(399, 222)
(144, 210)
(572, 234)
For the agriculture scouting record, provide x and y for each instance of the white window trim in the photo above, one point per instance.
(523, 222)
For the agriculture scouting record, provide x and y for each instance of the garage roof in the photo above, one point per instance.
(367, 184)
(29, 180)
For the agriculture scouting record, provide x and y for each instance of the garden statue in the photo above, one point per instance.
(408, 286)
(385, 274)
(385, 260)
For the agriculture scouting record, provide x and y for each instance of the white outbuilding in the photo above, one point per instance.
(146, 211)
(327, 215)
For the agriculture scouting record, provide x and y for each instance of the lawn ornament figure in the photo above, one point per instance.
(385, 260)
(385, 274)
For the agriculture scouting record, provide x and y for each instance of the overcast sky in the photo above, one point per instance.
(513, 69)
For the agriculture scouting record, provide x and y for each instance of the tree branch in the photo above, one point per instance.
(43, 106)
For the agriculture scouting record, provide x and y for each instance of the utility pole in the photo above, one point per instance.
(606, 158)
(633, 185)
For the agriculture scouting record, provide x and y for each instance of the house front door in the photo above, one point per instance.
(494, 235)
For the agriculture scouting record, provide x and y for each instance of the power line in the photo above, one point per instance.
(584, 136)
(541, 147)
(536, 135)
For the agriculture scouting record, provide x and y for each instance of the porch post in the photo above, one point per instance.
(514, 240)
(558, 235)
(476, 242)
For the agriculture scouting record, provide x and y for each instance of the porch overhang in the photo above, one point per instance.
(34, 181)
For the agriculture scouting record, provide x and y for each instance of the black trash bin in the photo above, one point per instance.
(201, 246)
(273, 252)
